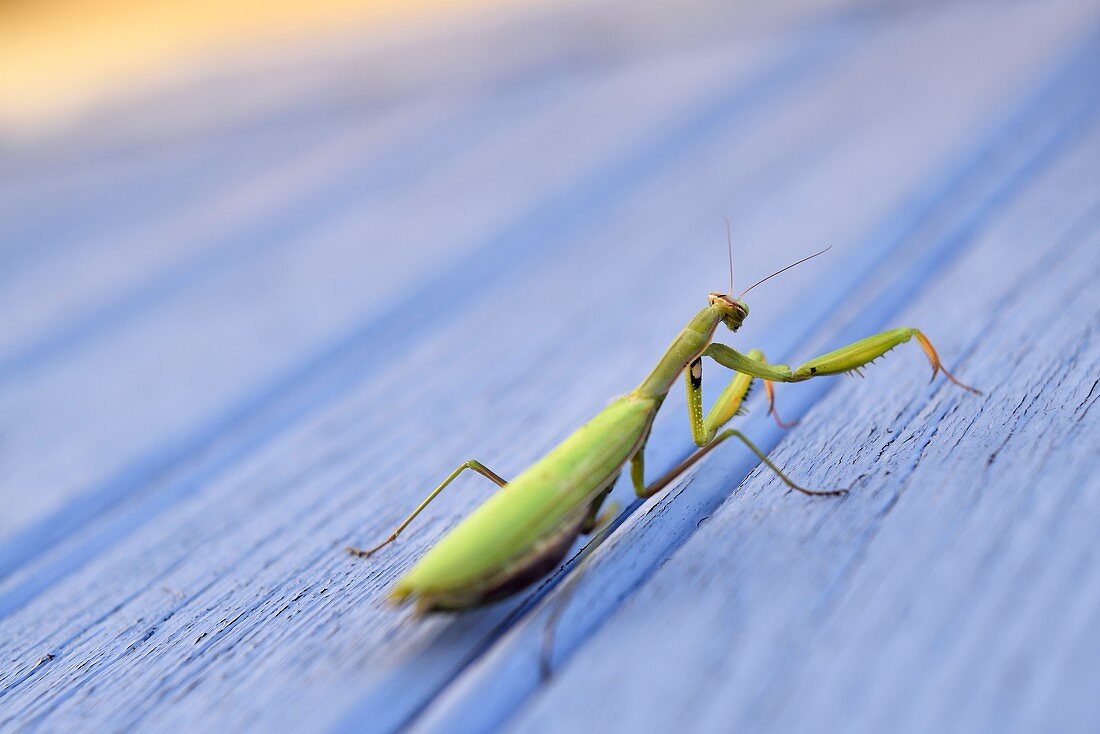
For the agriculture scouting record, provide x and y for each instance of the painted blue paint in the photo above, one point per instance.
(533, 233)
(121, 203)
(226, 621)
(128, 201)
(934, 653)
(1045, 124)
(360, 180)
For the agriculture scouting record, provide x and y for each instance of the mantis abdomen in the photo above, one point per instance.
(522, 525)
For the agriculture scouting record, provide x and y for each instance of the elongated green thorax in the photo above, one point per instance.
(688, 344)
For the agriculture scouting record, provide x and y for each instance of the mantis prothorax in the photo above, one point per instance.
(523, 532)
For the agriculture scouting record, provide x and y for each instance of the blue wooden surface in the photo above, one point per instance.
(236, 342)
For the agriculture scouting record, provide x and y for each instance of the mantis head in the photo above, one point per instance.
(733, 310)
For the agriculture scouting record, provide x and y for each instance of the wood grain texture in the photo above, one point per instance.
(509, 673)
(318, 337)
(954, 588)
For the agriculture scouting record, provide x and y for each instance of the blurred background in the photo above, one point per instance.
(269, 269)
(58, 58)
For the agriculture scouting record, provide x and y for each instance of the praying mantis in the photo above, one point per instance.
(522, 532)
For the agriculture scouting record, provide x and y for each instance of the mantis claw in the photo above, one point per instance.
(937, 366)
(368, 552)
(823, 492)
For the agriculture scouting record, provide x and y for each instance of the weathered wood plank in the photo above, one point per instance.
(314, 273)
(224, 564)
(542, 224)
(952, 590)
(556, 207)
(202, 209)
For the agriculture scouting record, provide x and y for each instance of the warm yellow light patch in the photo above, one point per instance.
(56, 55)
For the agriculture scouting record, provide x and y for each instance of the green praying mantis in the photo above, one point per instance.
(523, 532)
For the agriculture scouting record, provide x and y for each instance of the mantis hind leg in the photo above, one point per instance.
(603, 526)
(476, 466)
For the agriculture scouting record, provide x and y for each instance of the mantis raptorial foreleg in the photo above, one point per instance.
(846, 359)
(727, 405)
(705, 430)
(476, 466)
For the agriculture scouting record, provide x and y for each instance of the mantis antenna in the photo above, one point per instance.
(783, 270)
(729, 248)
